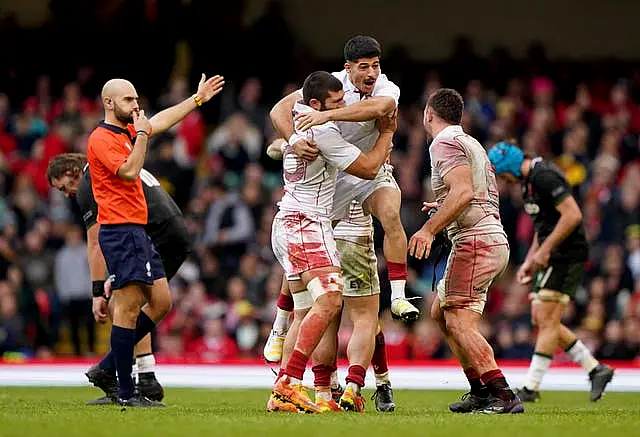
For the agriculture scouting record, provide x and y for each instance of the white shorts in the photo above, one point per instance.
(303, 242)
(354, 239)
(349, 188)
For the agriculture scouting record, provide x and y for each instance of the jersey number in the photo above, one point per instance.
(148, 179)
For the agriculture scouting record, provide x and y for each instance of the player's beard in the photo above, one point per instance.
(122, 116)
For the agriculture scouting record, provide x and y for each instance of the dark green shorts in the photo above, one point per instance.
(564, 278)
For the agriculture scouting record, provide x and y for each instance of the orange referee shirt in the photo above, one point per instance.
(119, 201)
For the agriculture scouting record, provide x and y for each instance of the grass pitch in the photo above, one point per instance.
(44, 411)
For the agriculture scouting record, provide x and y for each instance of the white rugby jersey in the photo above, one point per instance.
(363, 134)
(452, 148)
(309, 186)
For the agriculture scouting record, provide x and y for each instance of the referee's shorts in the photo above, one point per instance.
(130, 255)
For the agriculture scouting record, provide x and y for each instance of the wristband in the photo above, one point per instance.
(138, 132)
(97, 288)
(196, 98)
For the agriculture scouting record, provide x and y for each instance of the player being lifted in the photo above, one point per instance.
(368, 96)
(555, 263)
(302, 235)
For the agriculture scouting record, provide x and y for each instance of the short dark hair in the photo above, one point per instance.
(317, 86)
(360, 47)
(448, 104)
(63, 163)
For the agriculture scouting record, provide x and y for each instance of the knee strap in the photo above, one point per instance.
(302, 300)
(325, 283)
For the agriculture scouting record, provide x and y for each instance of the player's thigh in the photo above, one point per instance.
(384, 203)
(358, 262)
(474, 263)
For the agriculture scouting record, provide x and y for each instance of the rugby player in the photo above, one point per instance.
(555, 264)
(466, 195)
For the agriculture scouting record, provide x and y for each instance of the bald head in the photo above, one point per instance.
(117, 87)
(120, 101)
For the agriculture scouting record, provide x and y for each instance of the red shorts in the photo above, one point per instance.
(474, 263)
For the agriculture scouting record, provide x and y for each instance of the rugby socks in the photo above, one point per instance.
(379, 360)
(281, 323)
(497, 385)
(144, 325)
(537, 369)
(580, 354)
(322, 381)
(355, 377)
(146, 364)
(477, 387)
(122, 344)
(397, 279)
(296, 365)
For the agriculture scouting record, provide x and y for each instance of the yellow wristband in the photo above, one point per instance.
(197, 99)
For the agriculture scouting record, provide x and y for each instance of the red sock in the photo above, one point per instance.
(489, 376)
(356, 375)
(285, 302)
(497, 385)
(322, 373)
(397, 271)
(296, 365)
(379, 359)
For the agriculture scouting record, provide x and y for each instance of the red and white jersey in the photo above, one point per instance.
(452, 148)
(309, 186)
(364, 134)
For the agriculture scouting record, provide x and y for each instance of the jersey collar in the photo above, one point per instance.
(116, 129)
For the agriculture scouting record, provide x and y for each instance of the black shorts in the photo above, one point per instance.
(130, 255)
(173, 243)
(561, 277)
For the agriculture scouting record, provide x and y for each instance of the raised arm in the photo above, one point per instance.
(207, 89)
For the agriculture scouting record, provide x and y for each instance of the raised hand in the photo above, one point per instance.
(208, 88)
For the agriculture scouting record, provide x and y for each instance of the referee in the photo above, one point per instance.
(116, 152)
(555, 264)
(69, 173)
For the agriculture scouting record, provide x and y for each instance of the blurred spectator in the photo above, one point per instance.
(73, 284)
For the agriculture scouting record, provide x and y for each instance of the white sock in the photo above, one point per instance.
(146, 363)
(281, 324)
(537, 369)
(580, 354)
(325, 396)
(355, 387)
(382, 378)
(397, 288)
(335, 382)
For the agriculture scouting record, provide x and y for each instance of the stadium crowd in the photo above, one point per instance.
(217, 171)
